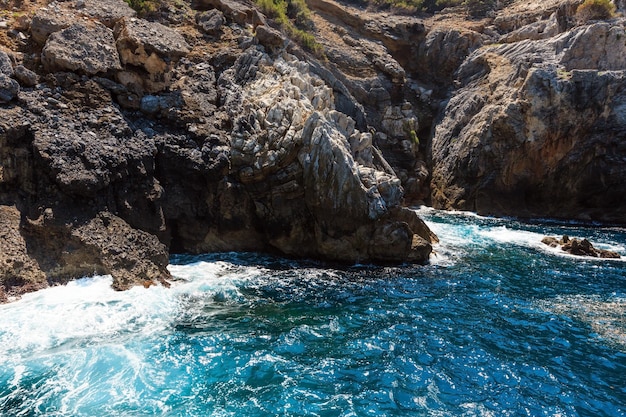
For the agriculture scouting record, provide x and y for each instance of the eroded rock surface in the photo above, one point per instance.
(133, 145)
(83, 48)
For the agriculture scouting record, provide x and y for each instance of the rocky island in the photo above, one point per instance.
(217, 125)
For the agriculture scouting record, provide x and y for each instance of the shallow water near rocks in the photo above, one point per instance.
(497, 325)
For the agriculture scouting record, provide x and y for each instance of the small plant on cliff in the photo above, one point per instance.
(595, 10)
(295, 18)
(144, 6)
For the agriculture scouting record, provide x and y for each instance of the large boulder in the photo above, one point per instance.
(84, 48)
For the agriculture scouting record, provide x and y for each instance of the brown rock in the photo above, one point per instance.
(269, 36)
(19, 272)
(579, 247)
(151, 46)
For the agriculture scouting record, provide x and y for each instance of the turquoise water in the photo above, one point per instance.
(497, 325)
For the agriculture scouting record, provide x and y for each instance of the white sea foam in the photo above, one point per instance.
(82, 311)
(88, 310)
(457, 236)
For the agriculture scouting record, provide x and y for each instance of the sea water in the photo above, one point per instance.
(498, 324)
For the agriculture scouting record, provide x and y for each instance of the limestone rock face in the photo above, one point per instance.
(445, 50)
(88, 49)
(538, 129)
(290, 139)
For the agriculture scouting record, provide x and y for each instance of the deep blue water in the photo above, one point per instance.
(496, 325)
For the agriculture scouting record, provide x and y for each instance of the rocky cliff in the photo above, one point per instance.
(537, 125)
(203, 127)
(123, 140)
(519, 110)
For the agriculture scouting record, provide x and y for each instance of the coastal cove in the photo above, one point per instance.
(496, 324)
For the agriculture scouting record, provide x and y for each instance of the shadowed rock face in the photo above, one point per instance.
(237, 149)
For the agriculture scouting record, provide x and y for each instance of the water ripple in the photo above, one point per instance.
(496, 326)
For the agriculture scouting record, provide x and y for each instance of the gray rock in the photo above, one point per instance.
(108, 12)
(25, 76)
(87, 49)
(269, 36)
(48, 20)
(211, 21)
(150, 104)
(149, 44)
(6, 66)
(9, 88)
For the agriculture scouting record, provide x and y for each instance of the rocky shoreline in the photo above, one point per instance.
(133, 144)
(202, 128)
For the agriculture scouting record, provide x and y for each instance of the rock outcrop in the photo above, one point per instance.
(207, 128)
(134, 144)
